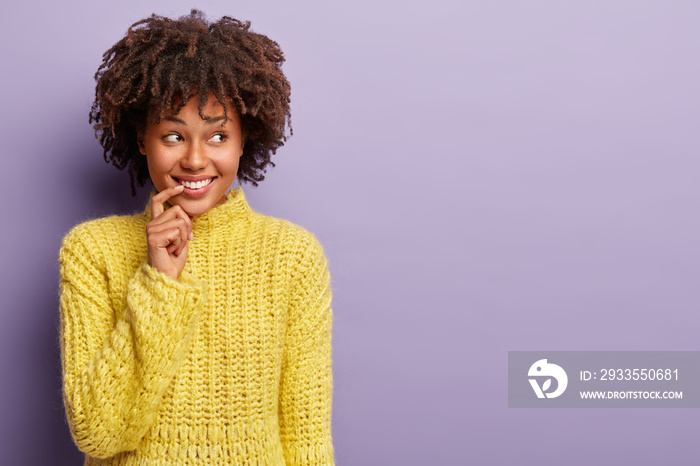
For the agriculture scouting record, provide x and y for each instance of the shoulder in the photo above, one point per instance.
(293, 238)
(304, 257)
(93, 235)
(105, 228)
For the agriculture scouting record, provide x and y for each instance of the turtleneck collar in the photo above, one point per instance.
(235, 208)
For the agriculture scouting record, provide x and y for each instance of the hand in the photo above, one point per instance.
(168, 234)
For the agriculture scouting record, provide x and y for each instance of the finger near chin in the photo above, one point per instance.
(158, 201)
(167, 193)
(173, 215)
(179, 212)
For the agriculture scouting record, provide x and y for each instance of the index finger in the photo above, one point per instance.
(159, 199)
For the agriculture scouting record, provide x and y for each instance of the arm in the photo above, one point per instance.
(117, 363)
(307, 381)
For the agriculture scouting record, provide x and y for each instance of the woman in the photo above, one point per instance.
(197, 331)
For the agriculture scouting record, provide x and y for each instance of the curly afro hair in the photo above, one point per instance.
(161, 63)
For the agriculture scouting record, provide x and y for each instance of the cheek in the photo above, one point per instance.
(159, 165)
(158, 158)
(229, 166)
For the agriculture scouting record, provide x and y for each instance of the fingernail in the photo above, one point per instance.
(191, 236)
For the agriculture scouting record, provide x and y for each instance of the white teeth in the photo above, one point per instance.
(195, 185)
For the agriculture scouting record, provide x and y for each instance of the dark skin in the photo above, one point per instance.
(168, 234)
(186, 149)
(162, 63)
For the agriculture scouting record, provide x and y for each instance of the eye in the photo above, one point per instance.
(172, 138)
(218, 137)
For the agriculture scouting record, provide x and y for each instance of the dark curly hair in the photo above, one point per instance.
(161, 63)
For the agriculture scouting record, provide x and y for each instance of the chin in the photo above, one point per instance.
(194, 209)
(196, 212)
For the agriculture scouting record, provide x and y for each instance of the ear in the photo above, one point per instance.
(240, 154)
(139, 141)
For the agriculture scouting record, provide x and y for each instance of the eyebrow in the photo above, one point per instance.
(210, 121)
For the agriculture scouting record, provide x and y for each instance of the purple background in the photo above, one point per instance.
(484, 177)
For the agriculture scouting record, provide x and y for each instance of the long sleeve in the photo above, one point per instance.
(307, 381)
(119, 355)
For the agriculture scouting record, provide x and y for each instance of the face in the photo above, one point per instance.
(200, 154)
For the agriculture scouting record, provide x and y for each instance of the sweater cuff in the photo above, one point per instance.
(163, 311)
(163, 293)
(310, 455)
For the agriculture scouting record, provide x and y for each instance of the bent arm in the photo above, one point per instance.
(306, 386)
(118, 363)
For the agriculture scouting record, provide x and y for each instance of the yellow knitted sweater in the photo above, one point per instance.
(228, 365)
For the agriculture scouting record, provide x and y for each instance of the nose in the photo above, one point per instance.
(194, 158)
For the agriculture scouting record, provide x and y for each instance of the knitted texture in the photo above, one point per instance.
(229, 364)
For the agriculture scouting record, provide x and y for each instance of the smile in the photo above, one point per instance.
(195, 184)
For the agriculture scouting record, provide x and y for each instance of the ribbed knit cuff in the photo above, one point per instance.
(163, 313)
(309, 455)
